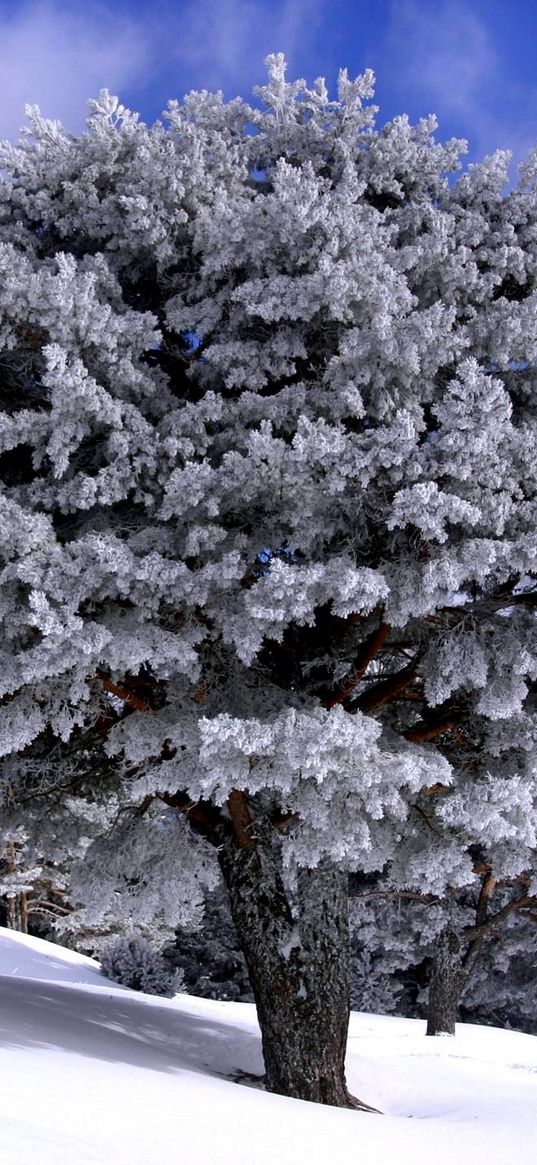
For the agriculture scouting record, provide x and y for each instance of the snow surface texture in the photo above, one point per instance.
(93, 1073)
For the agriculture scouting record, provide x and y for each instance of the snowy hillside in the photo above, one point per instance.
(93, 1073)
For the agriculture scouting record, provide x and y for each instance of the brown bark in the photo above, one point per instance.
(124, 692)
(368, 651)
(17, 913)
(16, 904)
(386, 690)
(452, 966)
(427, 730)
(298, 961)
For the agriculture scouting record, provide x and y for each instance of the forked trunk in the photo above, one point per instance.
(298, 964)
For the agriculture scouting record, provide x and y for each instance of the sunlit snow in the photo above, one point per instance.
(93, 1074)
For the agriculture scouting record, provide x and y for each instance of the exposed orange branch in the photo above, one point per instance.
(488, 886)
(426, 730)
(123, 692)
(241, 820)
(367, 653)
(387, 689)
(205, 819)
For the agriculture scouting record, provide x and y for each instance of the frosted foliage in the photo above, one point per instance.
(502, 810)
(268, 493)
(372, 989)
(20, 722)
(451, 660)
(392, 940)
(147, 870)
(431, 860)
(427, 508)
(331, 770)
(389, 938)
(292, 594)
(134, 962)
(503, 988)
(19, 871)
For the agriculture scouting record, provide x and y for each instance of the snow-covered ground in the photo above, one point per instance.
(93, 1074)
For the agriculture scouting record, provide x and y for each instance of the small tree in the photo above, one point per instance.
(399, 942)
(32, 890)
(132, 961)
(268, 508)
(466, 859)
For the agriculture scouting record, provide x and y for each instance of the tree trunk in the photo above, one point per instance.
(298, 962)
(17, 913)
(452, 969)
(16, 905)
(448, 980)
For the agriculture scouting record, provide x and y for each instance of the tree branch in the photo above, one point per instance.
(204, 817)
(241, 820)
(366, 654)
(408, 895)
(123, 692)
(385, 690)
(494, 603)
(488, 884)
(494, 919)
(426, 730)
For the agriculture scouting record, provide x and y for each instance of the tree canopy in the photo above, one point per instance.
(268, 494)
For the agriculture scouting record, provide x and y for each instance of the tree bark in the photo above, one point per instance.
(298, 961)
(17, 913)
(452, 968)
(448, 980)
(16, 905)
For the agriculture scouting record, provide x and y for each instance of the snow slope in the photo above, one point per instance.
(93, 1074)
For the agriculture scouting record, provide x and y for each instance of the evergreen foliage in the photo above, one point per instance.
(133, 962)
(268, 505)
(209, 956)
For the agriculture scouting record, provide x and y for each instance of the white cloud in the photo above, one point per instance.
(57, 54)
(222, 43)
(443, 50)
(442, 58)
(59, 58)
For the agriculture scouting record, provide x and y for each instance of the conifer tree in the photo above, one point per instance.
(267, 516)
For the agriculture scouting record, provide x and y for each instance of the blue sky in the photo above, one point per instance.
(472, 63)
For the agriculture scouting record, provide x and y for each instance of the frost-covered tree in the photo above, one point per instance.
(470, 952)
(268, 515)
(503, 990)
(132, 961)
(32, 889)
(468, 852)
(208, 955)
